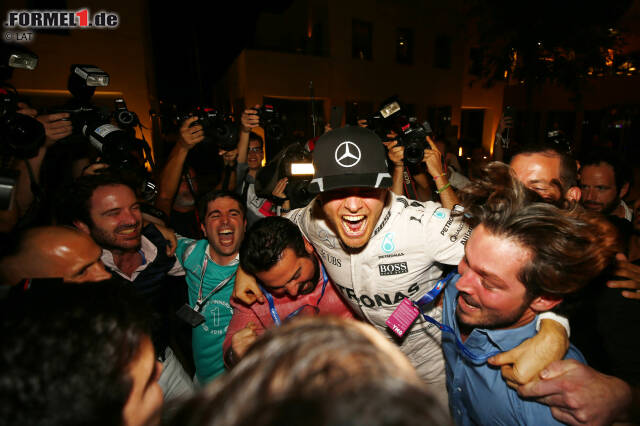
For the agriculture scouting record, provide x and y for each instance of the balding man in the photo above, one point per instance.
(54, 252)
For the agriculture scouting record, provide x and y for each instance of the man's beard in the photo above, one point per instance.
(492, 321)
(106, 241)
(609, 208)
(311, 284)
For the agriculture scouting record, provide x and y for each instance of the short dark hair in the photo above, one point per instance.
(569, 247)
(316, 371)
(621, 170)
(66, 353)
(265, 241)
(253, 136)
(75, 204)
(568, 165)
(203, 203)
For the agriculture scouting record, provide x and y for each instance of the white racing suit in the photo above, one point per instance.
(402, 259)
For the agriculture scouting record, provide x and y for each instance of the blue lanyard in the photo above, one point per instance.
(272, 308)
(429, 297)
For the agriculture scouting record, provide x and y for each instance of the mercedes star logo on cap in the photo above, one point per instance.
(348, 154)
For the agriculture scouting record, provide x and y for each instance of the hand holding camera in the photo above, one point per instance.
(191, 133)
(56, 127)
(250, 119)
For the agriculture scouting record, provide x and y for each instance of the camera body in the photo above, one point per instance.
(271, 122)
(127, 120)
(409, 133)
(123, 152)
(413, 137)
(20, 135)
(297, 190)
(218, 127)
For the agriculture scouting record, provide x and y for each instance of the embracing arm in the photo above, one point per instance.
(524, 362)
(578, 394)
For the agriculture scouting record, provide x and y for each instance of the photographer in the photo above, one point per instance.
(176, 198)
(250, 155)
(433, 162)
(55, 128)
(403, 175)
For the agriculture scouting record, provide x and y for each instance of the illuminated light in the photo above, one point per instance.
(609, 58)
(589, 72)
(506, 73)
(632, 68)
(460, 152)
(302, 169)
(402, 43)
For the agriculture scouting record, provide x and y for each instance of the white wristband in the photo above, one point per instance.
(554, 317)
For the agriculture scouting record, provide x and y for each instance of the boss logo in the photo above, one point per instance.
(393, 268)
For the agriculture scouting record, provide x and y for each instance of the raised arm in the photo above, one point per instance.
(433, 160)
(248, 121)
(396, 156)
(170, 176)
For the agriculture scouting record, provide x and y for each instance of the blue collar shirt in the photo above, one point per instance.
(478, 395)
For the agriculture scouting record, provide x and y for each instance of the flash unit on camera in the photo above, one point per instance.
(390, 109)
(301, 169)
(24, 60)
(92, 75)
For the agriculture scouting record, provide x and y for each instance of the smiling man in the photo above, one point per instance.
(522, 259)
(292, 279)
(210, 265)
(380, 248)
(107, 209)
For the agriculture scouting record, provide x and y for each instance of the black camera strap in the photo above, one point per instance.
(409, 184)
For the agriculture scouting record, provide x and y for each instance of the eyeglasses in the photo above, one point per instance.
(256, 150)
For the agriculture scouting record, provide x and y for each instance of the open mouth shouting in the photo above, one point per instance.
(226, 236)
(354, 226)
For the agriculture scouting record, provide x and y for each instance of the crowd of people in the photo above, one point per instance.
(502, 292)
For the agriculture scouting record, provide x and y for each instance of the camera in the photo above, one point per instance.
(413, 137)
(293, 162)
(410, 134)
(127, 120)
(20, 135)
(218, 127)
(123, 152)
(82, 83)
(271, 122)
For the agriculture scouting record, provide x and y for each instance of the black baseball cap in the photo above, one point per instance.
(349, 157)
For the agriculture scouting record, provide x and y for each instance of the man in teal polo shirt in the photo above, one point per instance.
(210, 266)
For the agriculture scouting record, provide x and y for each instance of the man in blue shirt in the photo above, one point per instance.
(210, 265)
(521, 260)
